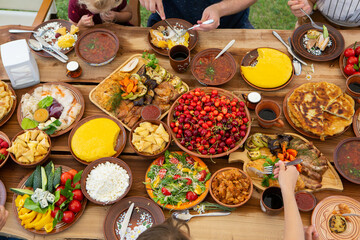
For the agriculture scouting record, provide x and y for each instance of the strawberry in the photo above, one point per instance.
(4, 144)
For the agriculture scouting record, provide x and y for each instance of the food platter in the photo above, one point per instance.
(299, 129)
(356, 123)
(92, 165)
(64, 23)
(145, 214)
(174, 21)
(12, 110)
(330, 53)
(249, 59)
(75, 92)
(120, 142)
(141, 62)
(184, 205)
(324, 210)
(2, 194)
(330, 179)
(342, 59)
(60, 226)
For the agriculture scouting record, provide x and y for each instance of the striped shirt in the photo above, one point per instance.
(341, 12)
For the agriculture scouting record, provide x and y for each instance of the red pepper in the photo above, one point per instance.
(165, 191)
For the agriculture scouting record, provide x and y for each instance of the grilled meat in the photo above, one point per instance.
(124, 108)
(310, 183)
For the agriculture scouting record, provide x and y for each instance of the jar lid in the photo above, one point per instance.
(72, 66)
(254, 97)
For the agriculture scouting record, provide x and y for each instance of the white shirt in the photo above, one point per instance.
(341, 12)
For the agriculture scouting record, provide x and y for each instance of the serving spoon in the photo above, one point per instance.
(225, 48)
(37, 46)
(186, 216)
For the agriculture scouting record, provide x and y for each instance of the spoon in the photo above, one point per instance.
(27, 31)
(225, 48)
(37, 46)
(186, 216)
(210, 21)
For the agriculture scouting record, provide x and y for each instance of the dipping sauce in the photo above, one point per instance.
(211, 71)
(98, 47)
(305, 201)
(150, 112)
(355, 87)
(348, 160)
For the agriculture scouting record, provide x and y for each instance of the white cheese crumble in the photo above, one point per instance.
(107, 182)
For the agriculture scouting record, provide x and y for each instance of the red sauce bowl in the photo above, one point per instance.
(306, 201)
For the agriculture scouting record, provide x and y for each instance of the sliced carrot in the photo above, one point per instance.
(126, 81)
(124, 94)
(291, 157)
(280, 156)
(134, 89)
(292, 152)
(129, 87)
(299, 167)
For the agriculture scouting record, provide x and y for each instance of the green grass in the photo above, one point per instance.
(264, 14)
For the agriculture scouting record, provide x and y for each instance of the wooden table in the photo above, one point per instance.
(248, 221)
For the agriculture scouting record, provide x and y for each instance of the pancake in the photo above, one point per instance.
(334, 124)
(342, 107)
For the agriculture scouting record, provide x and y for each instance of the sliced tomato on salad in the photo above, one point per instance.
(162, 173)
(202, 174)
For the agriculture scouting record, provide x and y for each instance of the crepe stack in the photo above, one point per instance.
(6, 99)
(320, 108)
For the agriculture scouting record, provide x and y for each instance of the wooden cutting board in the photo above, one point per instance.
(330, 179)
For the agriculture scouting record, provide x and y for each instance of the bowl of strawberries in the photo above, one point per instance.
(4, 145)
(349, 60)
(209, 122)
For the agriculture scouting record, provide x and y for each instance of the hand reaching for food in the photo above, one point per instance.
(311, 233)
(287, 176)
(153, 5)
(210, 12)
(296, 5)
(3, 216)
(86, 21)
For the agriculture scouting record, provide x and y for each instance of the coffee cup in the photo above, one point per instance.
(353, 87)
(179, 56)
(271, 201)
(268, 114)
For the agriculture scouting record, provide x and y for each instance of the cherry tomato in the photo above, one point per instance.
(75, 206)
(349, 52)
(357, 51)
(203, 174)
(160, 161)
(165, 191)
(73, 172)
(189, 181)
(176, 176)
(68, 217)
(352, 60)
(53, 212)
(59, 188)
(349, 69)
(189, 160)
(78, 195)
(191, 196)
(65, 176)
(61, 200)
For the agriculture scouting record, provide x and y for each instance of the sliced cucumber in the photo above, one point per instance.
(142, 90)
(250, 146)
(30, 180)
(43, 179)
(21, 191)
(37, 178)
(135, 96)
(57, 176)
(256, 139)
(182, 89)
(128, 96)
(135, 76)
(254, 155)
(161, 71)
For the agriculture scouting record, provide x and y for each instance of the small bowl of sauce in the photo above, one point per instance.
(306, 201)
(151, 112)
(353, 87)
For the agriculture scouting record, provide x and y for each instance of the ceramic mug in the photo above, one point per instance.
(179, 56)
(271, 201)
(273, 107)
(353, 79)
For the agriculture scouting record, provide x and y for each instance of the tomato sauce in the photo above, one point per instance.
(215, 71)
(348, 159)
(97, 47)
(150, 112)
(305, 201)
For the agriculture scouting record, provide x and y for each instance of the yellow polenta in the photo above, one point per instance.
(95, 139)
(273, 69)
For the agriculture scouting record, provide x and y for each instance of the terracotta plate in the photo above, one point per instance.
(120, 143)
(92, 165)
(63, 23)
(300, 130)
(12, 110)
(5, 138)
(249, 59)
(145, 214)
(356, 123)
(78, 96)
(60, 226)
(342, 59)
(183, 206)
(103, 32)
(323, 212)
(2, 194)
(329, 53)
(193, 39)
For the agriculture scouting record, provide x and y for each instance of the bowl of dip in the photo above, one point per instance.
(306, 201)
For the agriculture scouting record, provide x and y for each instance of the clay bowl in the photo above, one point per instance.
(353, 79)
(33, 164)
(120, 143)
(12, 110)
(249, 59)
(310, 197)
(228, 205)
(90, 60)
(215, 52)
(4, 137)
(221, 92)
(92, 165)
(343, 59)
(336, 159)
(356, 123)
(150, 156)
(330, 53)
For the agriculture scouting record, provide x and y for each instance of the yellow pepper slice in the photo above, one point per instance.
(156, 182)
(44, 220)
(27, 218)
(37, 219)
(21, 201)
(198, 190)
(49, 227)
(186, 170)
(179, 166)
(23, 211)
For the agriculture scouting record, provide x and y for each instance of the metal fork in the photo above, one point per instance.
(312, 22)
(270, 169)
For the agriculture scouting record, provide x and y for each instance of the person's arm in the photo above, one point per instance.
(296, 5)
(153, 5)
(3, 216)
(123, 16)
(287, 178)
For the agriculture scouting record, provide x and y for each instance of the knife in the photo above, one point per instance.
(296, 63)
(126, 221)
(172, 28)
(54, 55)
(288, 48)
(350, 215)
(47, 45)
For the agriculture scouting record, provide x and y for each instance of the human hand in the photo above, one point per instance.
(311, 233)
(296, 5)
(86, 20)
(210, 12)
(109, 16)
(153, 5)
(3, 216)
(287, 177)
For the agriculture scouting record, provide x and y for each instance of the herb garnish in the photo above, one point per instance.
(266, 178)
(152, 60)
(210, 71)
